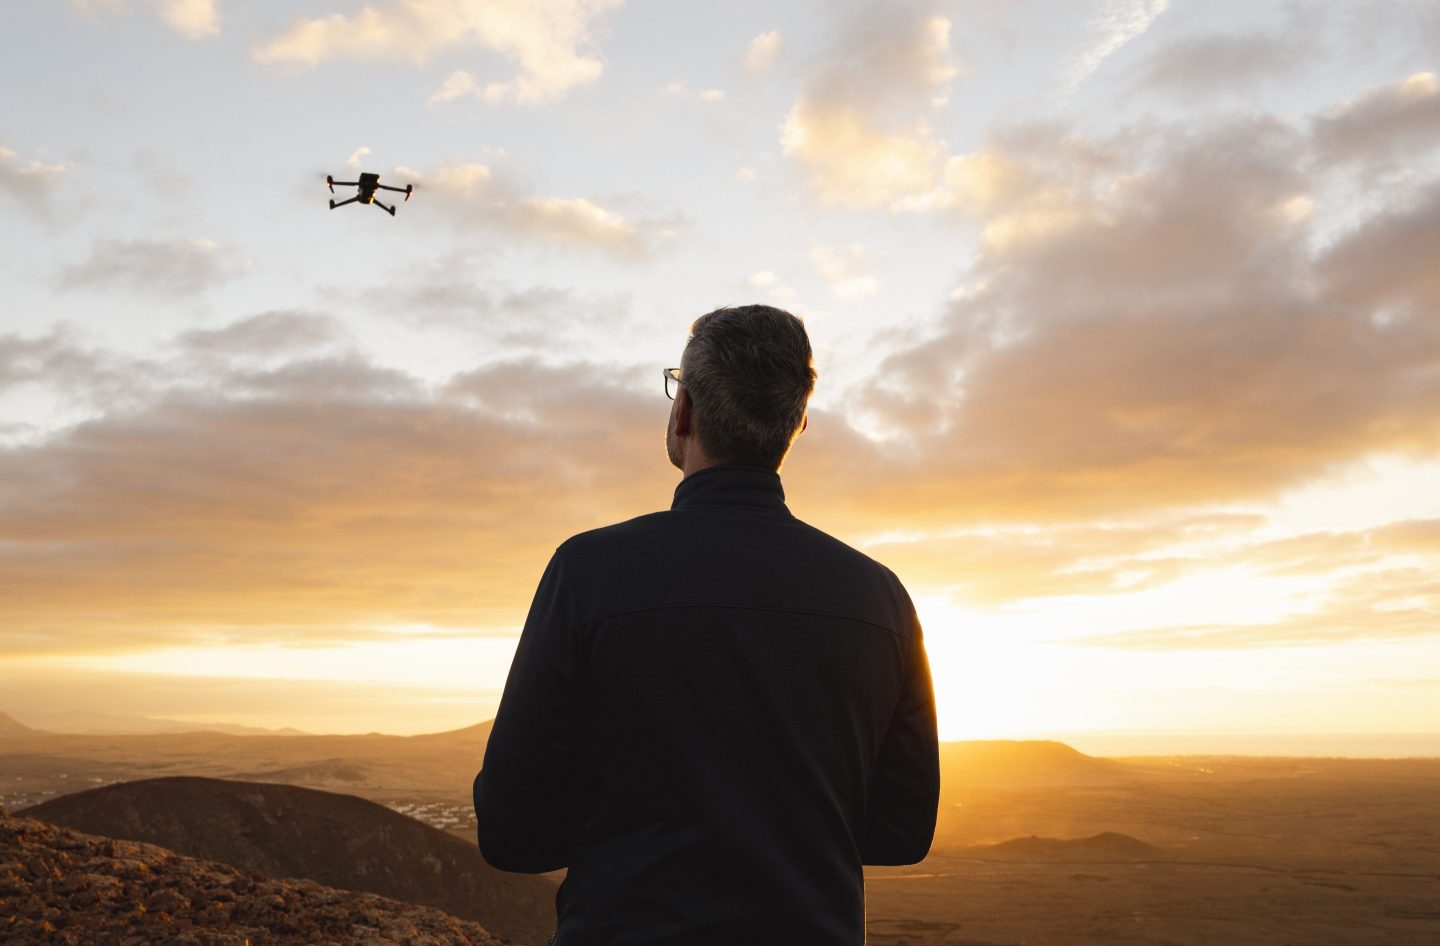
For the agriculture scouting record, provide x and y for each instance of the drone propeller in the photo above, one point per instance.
(409, 189)
(330, 183)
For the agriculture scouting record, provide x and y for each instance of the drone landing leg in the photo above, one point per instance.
(342, 203)
(388, 210)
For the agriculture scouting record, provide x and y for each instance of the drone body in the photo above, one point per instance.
(368, 185)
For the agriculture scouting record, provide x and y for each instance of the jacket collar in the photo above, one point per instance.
(731, 486)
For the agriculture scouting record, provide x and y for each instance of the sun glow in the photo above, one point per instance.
(990, 682)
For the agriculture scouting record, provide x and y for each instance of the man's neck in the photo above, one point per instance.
(695, 461)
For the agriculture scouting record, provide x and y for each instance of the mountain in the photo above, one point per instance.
(10, 726)
(335, 840)
(1029, 762)
(111, 724)
(433, 766)
(1107, 846)
(61, 886)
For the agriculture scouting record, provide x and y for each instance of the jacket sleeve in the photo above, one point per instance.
(523, 794)
(905, 791)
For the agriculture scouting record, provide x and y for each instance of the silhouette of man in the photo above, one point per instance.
(716, 714)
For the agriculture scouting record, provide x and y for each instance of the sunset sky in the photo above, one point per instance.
(1126, 315)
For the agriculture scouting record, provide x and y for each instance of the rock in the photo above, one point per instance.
(62, 886)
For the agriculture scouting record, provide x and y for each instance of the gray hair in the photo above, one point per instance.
(749, 375)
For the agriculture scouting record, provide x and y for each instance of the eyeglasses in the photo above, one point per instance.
(672, 381)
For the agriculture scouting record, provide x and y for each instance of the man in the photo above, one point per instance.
(715, 714)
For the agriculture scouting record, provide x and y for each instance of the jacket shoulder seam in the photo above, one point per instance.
(742, 607)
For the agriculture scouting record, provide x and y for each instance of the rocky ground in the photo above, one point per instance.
(64, 887)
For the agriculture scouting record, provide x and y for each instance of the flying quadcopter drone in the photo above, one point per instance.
(368, 184)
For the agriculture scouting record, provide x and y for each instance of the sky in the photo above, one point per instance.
(1124, 311)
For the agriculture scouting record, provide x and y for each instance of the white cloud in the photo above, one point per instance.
(353, 162)
(851, 162)
(184, 266)
(476, 195)
(459, 84)
(549, 39)
(760, 54)
(679, 90)
(576, 220)
(849, 130)
(746, 173)
(845, 269)
(1117, 24)
(193, 19)
(31, 184)
(773, 288)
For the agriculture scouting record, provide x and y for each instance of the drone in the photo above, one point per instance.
(368, 184)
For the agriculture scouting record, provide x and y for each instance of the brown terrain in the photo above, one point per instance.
(1037, 843)
(336, 840)
(63, 887)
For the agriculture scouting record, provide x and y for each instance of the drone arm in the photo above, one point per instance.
(342, 203)
(388, 210)
(387, 187)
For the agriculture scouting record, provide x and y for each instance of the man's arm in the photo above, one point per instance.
(905, 792)
(523, 794)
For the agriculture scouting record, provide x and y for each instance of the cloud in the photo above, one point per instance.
(318, 492)
(761, 52)
(1386, 266)
(772, 286)
(353, 162)
(1000, 566)
(476, 195)
(1223, 63)
(1389, 604)
(856, 128)
(461, 293)
(1117, 24)
(29, 184)
(459, 84)
(845, 269)
(269, 333)
(193, 19)
(678, 90)
(183, 266)
(83, 377)
(548, 39)
(1386, 122)
(1154, 326)
(1311, 588)
(577, 220)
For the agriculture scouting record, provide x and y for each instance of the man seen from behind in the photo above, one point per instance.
(716, 713)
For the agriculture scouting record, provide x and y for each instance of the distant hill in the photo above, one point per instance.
(111, 724)
(1032, 762)
(10, 726)
(327, 773)
(336, 840)
(1109, 846)
(62, 886)
(435, 765)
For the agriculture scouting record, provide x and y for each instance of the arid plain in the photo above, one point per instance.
(1037, 843)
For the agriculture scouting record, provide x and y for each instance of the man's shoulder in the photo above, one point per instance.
(653, 530)
(604, 538)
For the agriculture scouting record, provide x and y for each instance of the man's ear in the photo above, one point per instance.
(682, 413)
